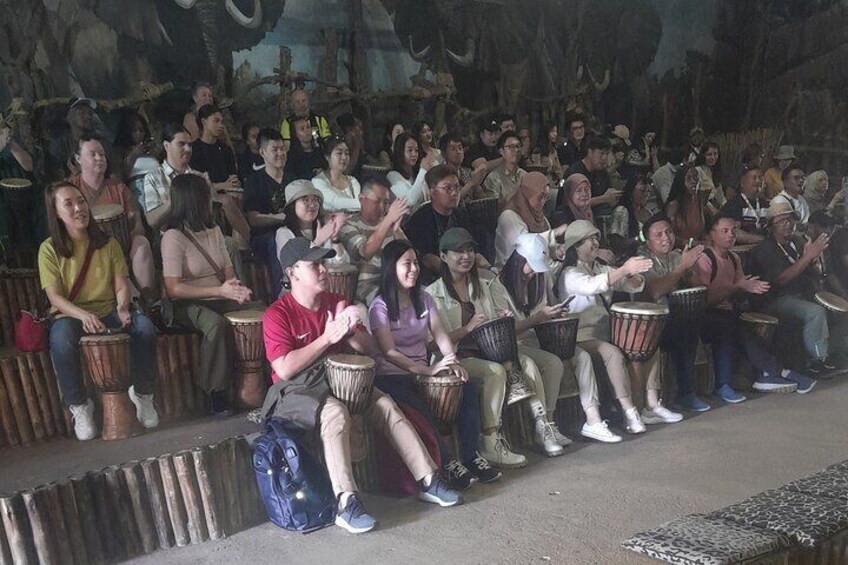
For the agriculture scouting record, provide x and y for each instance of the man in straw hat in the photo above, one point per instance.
(785, 260)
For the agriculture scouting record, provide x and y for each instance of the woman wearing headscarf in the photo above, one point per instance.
(815, 192)
(575, 202)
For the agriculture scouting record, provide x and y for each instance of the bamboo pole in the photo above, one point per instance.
(196, 525)
(87, 514)
(39, 520)
(206, 482)
(138, 494)
(29, 395)
(16, 524)
(120, 500)
(16, 397)
(163, 392)
(59, 531)
(29, 368)
(7, 418)
(158, 504)
(49, 378)
(173, 498)
(107, 529)
(184, 361)
(70, 514)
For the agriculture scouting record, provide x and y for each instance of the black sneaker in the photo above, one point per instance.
(821, 367)
(481, 469)
(220, 403)
(459, 478)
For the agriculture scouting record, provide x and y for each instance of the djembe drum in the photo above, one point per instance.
(351, 380)
(558, 336)
(497, 343)
(107, 357)
(15, 192)
(112, 220)
(761, 325)
(443, 394)
(744, 253)
(636, 328)
(250, 383)
(686, 310)
(832, 302)
(342, 279)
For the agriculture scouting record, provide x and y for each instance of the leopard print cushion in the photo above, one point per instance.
(839, 467)
(806, 520)
(698, 540)
(827, 484)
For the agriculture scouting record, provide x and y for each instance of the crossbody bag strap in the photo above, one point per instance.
(219, 272)
(89, 252)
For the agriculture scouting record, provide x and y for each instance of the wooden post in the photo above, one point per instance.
(59, 532)
(174, 500)
(184, 359)
(16, 397)
(107, 529)
(29, 369)
(163, 393)
(39, 519)
(206, 475)
(84, 502)
(73, 523)
(5, 552)
(123, 510)
(7, 419)
(231, 479)
(158, 504)
(16, 525)
(250, 493)
(139, 498)
(29, 395)
(174, 384)
(45, 366)
(184, 466)
(194, 342)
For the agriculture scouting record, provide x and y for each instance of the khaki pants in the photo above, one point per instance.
(550, 369)
(383, 415)
(616, 366)
(491, 377)
(579, 367)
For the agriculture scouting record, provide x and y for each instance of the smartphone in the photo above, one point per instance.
(566, 302)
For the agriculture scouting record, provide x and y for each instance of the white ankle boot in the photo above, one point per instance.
(83, 416)
(495, 449)
(145, 411)
(544, 436)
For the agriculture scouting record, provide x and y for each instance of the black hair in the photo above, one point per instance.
(655, 219)
(204, 112)
(59, 237)
(190, 204)
(347, 121)
(371, 179)
(711, 221)
(751, 152)
(267, 135)
(387, 136)
(124, 131)
(627, 202)
(198, 84)
(333, 142)
(170, 130)
(293, 223)
(398, 149)
(506, 136)
(793, 166)
(388, 288)
(245, 130)
(597, 142)
(418, 126)
(473, 276)
(702, 158)
(512, 277)
(449, 137)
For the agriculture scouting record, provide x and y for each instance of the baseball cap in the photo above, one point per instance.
(534, 249)
(74, 102)
(301, 249)
(455, 238)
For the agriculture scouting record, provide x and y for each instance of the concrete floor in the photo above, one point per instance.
(578, 508)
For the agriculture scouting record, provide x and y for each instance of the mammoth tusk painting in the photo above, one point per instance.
(251, 22)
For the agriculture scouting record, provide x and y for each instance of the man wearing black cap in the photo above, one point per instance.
(485, 152)
(301, 329)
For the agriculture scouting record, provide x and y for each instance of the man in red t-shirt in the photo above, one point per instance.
(300, 330)
(720, 270)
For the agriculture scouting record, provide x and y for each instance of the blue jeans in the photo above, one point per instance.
(812, 319)
(265, 247)
(65, 334)
(721, 330)
(403, 390)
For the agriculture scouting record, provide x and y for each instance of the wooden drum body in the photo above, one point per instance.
(744, 253)
(443, 394)
(636, 328)
(686, 309)
(351, 380)
(762, 325)
(342, 279)
(107, 358)
(558, 336)
(496, 341)
(251, 383)
(112, 220)
(15, 190)
(832, 302)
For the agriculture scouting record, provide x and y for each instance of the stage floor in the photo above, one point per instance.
(575, 509)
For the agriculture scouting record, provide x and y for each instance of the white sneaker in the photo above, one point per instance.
(600, 432)
(83, 416)
(145, 411)
(545, 438)
(495, 449)
(660, 415)
(562, 440)
(634, 423)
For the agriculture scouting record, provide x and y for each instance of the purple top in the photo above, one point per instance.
(410, 333)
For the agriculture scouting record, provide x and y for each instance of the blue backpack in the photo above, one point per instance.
(293, 486)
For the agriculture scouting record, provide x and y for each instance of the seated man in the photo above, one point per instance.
(264, 199)
(748, 206)
(720, 270)
(317, 125)
(300, 330)
(432, 219)
(785, 261)
(305, 158)
(503, 182)
(453, 152)
(366, 232)
(793, 181)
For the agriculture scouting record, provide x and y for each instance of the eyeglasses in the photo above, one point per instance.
(785, 220)
(513, 146)
(450, 189)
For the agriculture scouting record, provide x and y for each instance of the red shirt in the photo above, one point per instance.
(728, 272)
(288, 326)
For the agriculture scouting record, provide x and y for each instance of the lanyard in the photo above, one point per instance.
(786, 253)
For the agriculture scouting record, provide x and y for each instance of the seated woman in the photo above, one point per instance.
(199, 280)
(592, 285)
(522, 287)
(392, 130)
(544, 154)
(403, 318)
(407, 176)
(627, 219)
(707, 166)
(687, 208)
(341, 191)
(422, 131)
(815, 190)
(304, 217)
(463, 303)
(575, 197)
(83, 272)
(132, 152)
(201, 95)
(98, 190)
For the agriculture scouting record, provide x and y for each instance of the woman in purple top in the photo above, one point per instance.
(403, 319)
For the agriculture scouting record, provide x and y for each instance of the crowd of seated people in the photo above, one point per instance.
(578, 223)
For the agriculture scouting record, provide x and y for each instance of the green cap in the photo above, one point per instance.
(455, 238)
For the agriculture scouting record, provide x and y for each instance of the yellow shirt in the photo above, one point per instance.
(774, 184)
(97, 294)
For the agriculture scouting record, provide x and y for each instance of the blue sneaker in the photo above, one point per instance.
(354, 518)
(774, 383)
(692, 403)
(726, 393)
(804, 384)
(439, 493)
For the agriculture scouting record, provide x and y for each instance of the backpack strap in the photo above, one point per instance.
(714, 262)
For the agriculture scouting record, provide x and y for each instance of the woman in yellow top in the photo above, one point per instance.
(101, 301)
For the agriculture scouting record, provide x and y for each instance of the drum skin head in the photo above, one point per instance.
(15, 184)
(759, 317)
(245, 316)
(106, 211)
(103, 339)
(691, 290)
(351, 361)
(832, 302)
(648, 308)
